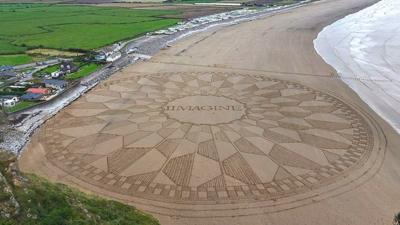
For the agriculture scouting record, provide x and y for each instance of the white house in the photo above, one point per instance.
(56, 74)
(9, 102)
(113, 57)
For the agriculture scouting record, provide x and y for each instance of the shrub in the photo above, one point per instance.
(396, 220)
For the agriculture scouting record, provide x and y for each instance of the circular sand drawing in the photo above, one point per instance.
(206, 110)
(207, 138)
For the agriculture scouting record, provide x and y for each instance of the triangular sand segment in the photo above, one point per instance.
(108, 146)
(244, 145)
(81, 131)
(324, 139)
(347, 133)
(151, 161)
(101, 163)
(161, 178)
(318, 106)
(295, 171)
(225, 150)
(332, 157)
(294, 111)
(327, 121)
(262, 166)
(147, 142)
(337, 151)
(184, 147)
(283, 156)
(294, 123)
(216, 182)
(282, 174)
(307, 151)
(282, 135)
(204, 169)
(261, 143)
(120, 128)
(230, 181)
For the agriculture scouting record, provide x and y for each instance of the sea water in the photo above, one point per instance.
(364, 48)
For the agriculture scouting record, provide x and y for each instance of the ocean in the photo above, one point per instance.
(364, 48)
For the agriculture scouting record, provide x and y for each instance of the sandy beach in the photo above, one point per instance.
(243, 124)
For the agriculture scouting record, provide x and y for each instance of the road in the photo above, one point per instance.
(243, 124)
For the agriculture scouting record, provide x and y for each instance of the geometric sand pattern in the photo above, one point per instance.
(251, 138)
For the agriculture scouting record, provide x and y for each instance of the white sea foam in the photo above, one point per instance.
(364, 48)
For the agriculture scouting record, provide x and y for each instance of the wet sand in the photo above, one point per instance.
(363, 48)
(309, 117)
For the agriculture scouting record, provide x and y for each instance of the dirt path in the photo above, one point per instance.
(244, 125)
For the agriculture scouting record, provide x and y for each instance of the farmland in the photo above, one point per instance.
(71, 27)
(15, 59)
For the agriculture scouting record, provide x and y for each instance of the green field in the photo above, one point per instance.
(15, 59)
(83, 71)
(21, 105)
(71, 27)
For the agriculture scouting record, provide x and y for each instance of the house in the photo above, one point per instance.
(24, 83)
(100, 57)
(9, 101)
(57, 74)
(56, 84)
(68, 67)
(42, 91)
(113, 57)
(31, 97)
(109, 50)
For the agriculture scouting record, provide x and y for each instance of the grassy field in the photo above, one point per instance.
(45, 203)
(15, 59)
(71, 27)
(21, 105)
(83, 71)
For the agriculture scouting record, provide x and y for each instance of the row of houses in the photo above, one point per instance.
(65, 68)
(41, 91)
(51, 87)
(109, 54)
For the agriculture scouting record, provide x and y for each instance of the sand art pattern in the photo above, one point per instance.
(207, 138)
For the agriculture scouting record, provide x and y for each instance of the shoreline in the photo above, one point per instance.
(363, 48)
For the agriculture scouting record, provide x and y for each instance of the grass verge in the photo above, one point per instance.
(21, 105)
